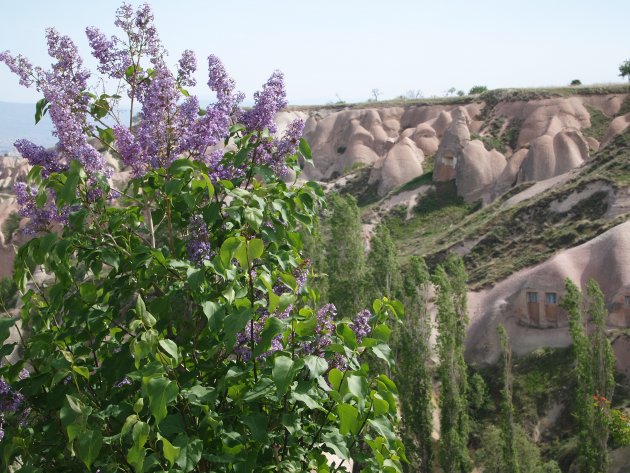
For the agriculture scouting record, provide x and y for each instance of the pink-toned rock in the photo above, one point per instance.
(617, 126)
(402, 163)
(593, 144)
(477, 170)
(550, 156)
(509, 175)
(424, 137)
(451, 146)
(535, 321)
(609, 105)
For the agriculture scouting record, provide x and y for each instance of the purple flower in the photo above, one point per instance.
(198, 244)
(10, 399)
(268, 102)
(40, 156)
(361, 325)
(187, 67)
(20, 66)
(40, 217)
(324, 330)
(112, 61)
(123, 382)
(24, 374)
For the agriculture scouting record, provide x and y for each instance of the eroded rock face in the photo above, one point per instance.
(453, 142)
(402, 163)
(12, 169)
(527, 302)
(617, 126)
(545, 139)
(552, 155)
(477, 171)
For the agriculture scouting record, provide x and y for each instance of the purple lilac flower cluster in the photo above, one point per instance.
(187, 66)
(40, 217)
(40, 156)
(361, 324)
(198, 244)
(115, 55)
(64, 88)
(12, 402)
(170, 125)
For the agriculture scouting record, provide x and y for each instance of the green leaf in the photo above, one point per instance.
(89, 445)
(257, 424)
(383, 427)
(255, 248)
(335, 376)
(383, 352)
(41, 107)
(305, 149)
(82, 370)
(228, 248)
(138, 405)
(398, 308)
(179, 166)
(170, 347)
(171, 453)
(282, 373)
(253, 216)
(316, 365)
(190, 453)
(214, 313)
(143, 314)
(272, 328)
(5, 327)
(357, 386)
(161, 392)
(348, 419)
(234, 323)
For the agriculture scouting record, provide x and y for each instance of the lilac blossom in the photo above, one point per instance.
(40, 156)
(155, 133)
(268, 103)
(40, 217)
(289, 142)
(187, 66)
(20, 66)
(361, 325)
(123, 382)
(130, 150)
(324, 330)
(10, 400)
(198, 244)
(64, 88)
(112, 61)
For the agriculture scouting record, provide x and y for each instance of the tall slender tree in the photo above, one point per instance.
(452, 371)
(345, 255)
(594, 372)
(383, 269)
(509, 456)
(414, 375)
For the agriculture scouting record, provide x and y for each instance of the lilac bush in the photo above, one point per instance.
(175, 329)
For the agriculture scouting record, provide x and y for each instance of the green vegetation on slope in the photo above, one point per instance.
(505, 239)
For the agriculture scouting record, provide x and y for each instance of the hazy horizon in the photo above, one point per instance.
(341, 51)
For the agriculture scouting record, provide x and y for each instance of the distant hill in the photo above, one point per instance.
(17, 120)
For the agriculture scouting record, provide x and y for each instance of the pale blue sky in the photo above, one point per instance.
(345, 48)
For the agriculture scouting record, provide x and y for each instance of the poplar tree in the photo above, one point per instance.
(383, 275)
(594, 374)
(452, 371)
(414, 375)
(345, 255)
(509, 455)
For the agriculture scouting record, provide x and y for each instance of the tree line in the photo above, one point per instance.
(432, 373)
